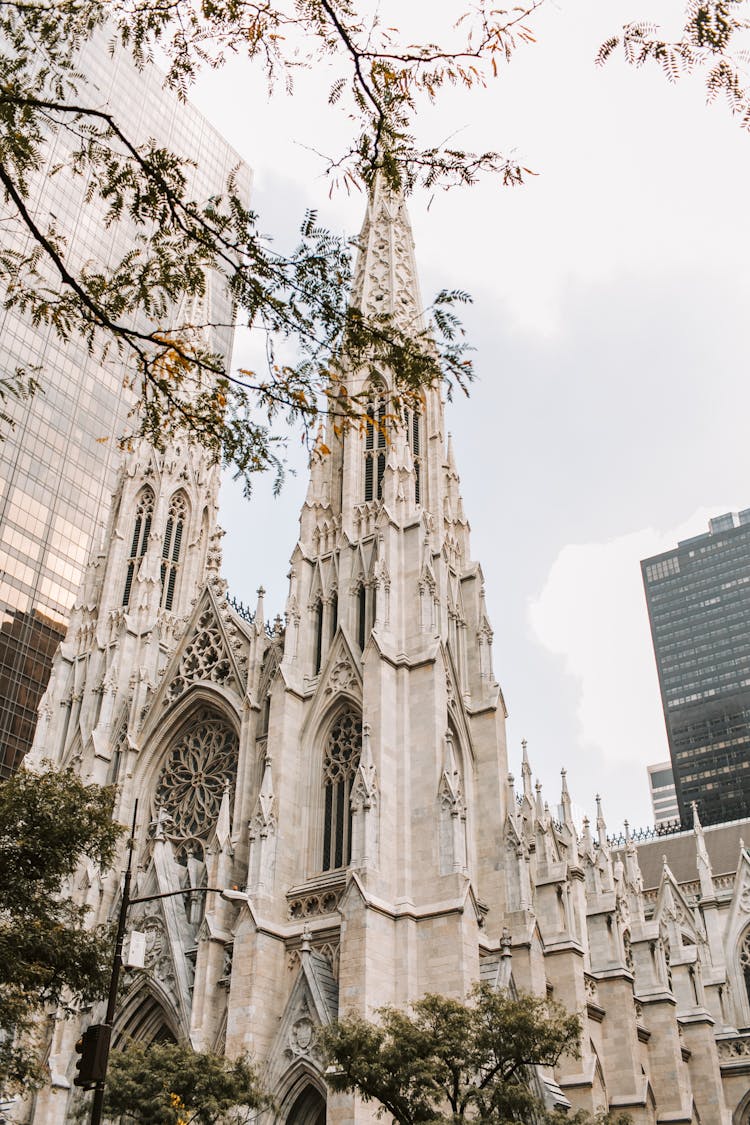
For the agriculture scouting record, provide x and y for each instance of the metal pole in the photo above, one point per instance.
(114, 980)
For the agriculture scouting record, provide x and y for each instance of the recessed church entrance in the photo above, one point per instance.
(309, 1108)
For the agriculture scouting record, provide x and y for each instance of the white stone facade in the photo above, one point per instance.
(344, 774)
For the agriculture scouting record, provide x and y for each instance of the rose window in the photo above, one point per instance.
(192, 782)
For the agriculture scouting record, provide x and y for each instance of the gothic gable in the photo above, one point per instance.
(341, 675)
(313, 1002)
(168, 933)
(673, 909)
(212, 653)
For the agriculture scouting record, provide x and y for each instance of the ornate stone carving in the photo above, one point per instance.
(385, 278)
(343, 748)
(745, 898)
(192, 782)
(629, 964)
(312, 905)
(342, 678)
(745, 955)
(301, 1036)
(205, 658)
(737, 1048)
(328, 949)
(158, 957)
(301, 1039)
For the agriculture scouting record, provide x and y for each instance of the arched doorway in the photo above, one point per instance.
(308, 1108)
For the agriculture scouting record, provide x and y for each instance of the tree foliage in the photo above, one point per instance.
(444, 1059)
(48, 824)
(300, 300)
(713, 40)
(170, 1084)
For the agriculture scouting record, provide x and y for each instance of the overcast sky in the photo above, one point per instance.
(610, 318)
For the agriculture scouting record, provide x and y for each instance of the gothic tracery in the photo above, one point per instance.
(201, 763)
(340, 760)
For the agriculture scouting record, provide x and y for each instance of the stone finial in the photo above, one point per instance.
(539, 802)
(566, 806)
(259, 607)
(526, 771)
(601, 825)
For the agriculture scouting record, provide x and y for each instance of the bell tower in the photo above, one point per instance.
(385, 764)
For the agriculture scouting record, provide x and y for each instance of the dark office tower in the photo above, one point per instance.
(57, 466)
(698, 598)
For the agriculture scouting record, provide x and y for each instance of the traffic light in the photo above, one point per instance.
(93, 1049)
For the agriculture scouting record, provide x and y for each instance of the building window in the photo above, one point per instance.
(376, 440)
(144, 512)
(413, 421)
(340, 761)
(318, 636)
(191, 785)
(170, 553)
(334, 614)
(362, 616)
(367, 599)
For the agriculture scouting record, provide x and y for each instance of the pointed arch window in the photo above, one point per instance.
(334, 613)
(190, 788)
(341, 755)
(318, 635)
(172, 548)
(362, 631)
(144, 513)
(413, 425)
(376, 440)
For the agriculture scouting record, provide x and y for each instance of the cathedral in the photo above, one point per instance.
(341, 775)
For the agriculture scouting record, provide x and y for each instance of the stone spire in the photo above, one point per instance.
(526, 772)
(385, 276)
(566, 806)
(601, 825)
(703, 861)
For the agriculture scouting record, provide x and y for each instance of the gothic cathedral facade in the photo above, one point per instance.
(343, 774)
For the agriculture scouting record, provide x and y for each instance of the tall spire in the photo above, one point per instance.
(385, 276)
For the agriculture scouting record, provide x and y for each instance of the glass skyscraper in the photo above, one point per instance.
(57, 466)
(698, 598)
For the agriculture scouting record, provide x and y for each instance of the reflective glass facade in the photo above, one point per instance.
(57, 466)
(698, 598)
